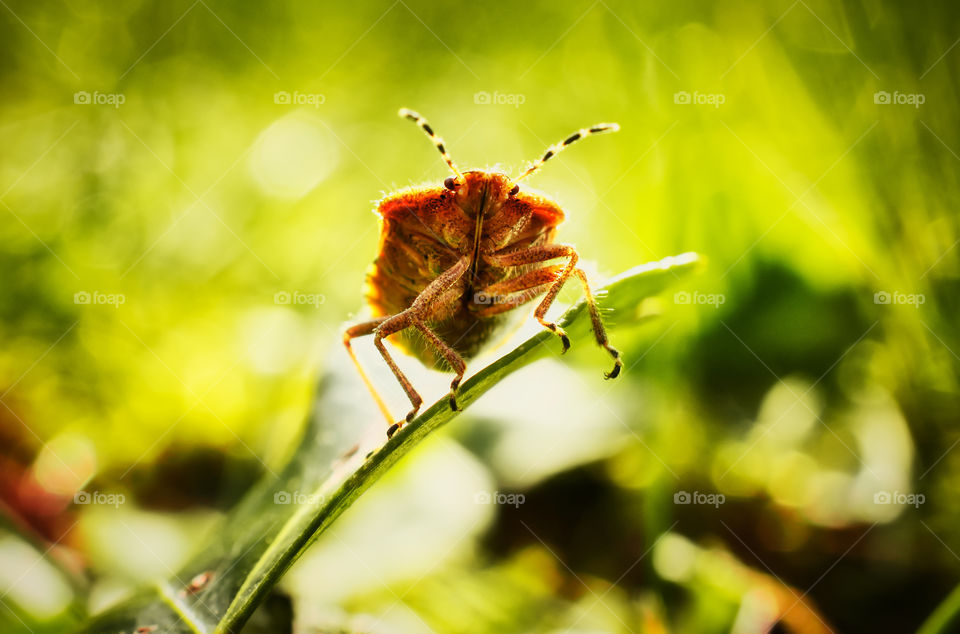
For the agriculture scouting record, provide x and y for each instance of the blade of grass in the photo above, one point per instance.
(267, 531)
(946, 617)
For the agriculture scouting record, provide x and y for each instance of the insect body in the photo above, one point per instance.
(453, 260)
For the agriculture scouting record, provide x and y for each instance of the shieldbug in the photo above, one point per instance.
(453, 260)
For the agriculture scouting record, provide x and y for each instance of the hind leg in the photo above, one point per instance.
(360, 330)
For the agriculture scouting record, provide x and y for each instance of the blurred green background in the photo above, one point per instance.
(186, 188)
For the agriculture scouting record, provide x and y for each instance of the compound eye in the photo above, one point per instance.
(450, 183)
(516, 188)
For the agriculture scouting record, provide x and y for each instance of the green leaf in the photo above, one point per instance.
(263, 536)
(945, 617)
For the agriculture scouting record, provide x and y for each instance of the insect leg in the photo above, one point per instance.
(415, 316)
(515, 291)
(360, 330)
(598, 330)
(537, 254)
(455, 360)
(392, 325)
(556, 276)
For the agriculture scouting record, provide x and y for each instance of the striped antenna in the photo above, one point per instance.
(553, 150)
(420, 121)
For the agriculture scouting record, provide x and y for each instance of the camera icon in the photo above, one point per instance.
(881, 97)
(482, 298)
(681, 497)
(481, 98)
(281, 297)
(681, 297)
(83, 297)
(282, 97)
(281, 497)
(482, 497)
(882, 497)
(682, 97)
(81, 497)
(82, 97)
(881, 297)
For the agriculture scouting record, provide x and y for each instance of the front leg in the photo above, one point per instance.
(535, 255)
(555, 276)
